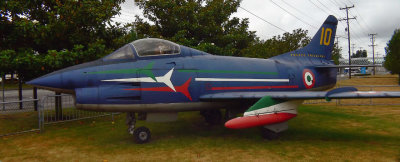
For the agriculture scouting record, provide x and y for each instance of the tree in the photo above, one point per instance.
(336, 53)
(359, 53)
(202, 24)
(278, 44)
(57, 25)
(392, 60)
(36, 29)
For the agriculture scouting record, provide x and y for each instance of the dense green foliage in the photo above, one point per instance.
(278, 44)
(359, 53)
(336, 53)
(39, 37)
(392, 61)
(58, 25)
(202, 24)
(194, 24)
(42, 36)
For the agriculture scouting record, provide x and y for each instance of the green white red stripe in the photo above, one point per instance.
(264, 112)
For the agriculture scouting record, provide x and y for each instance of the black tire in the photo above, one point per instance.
(268, 134)
(230, 114)
(212, 117)
(142, 135)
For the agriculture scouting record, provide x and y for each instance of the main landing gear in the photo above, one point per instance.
(273, 131)
(269, 134)
(141, 134)
(212, 117)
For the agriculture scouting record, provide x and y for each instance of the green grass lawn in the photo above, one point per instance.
(318, 133)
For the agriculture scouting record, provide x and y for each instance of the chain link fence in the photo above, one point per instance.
(60, 108)
(21, 116)
(52, 109)
(15, 119)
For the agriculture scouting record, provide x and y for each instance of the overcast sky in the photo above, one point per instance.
(372, 16)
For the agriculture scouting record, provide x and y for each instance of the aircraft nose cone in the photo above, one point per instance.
(51, 80)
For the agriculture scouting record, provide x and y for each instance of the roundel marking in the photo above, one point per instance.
(308, 78)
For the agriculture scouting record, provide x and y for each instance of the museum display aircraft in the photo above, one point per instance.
(157, 79)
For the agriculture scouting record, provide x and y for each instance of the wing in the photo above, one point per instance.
(278, 107)
(344, 92)
(344, 66)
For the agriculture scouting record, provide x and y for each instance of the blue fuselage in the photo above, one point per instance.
(143, 80)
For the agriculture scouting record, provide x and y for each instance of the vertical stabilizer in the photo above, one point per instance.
(321, 44)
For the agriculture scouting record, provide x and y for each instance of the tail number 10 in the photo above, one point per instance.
(326, 36)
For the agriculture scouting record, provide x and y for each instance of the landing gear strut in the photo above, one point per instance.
(212, 117)
(141, 134)
(273, 131)
(269, 134)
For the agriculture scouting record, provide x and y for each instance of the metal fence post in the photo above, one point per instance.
(3, 79)
(370, 89)
(20, 91)
(338, 98)
(58, 107)
(39, 118)
(35, 97)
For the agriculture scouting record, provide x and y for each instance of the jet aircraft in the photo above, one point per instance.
(157, 79)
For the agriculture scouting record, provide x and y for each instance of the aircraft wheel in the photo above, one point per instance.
(142, 135)
(268, 134)
(212, 117)
(230, 114)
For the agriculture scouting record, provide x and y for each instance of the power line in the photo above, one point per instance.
(359, 15)
(293, 15)
(318, 7)
(360, 30)
(366, 24)
(327, 7)
(350, 2)
(338, 3)
(335, 3)
(304, 14)
(262, 19)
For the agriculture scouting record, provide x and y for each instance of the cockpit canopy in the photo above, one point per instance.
(154, 47)
(124, 52)
(145, 47)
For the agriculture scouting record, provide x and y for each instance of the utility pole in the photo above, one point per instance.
(373, 49)
(348, 32)
(352, 48)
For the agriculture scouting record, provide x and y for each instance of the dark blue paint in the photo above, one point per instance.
(89, 89)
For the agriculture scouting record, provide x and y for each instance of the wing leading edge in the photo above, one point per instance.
(338, 93)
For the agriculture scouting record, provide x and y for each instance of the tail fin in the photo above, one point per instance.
(321, 44)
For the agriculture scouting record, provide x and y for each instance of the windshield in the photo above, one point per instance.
(124, 52)
(154, 47)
